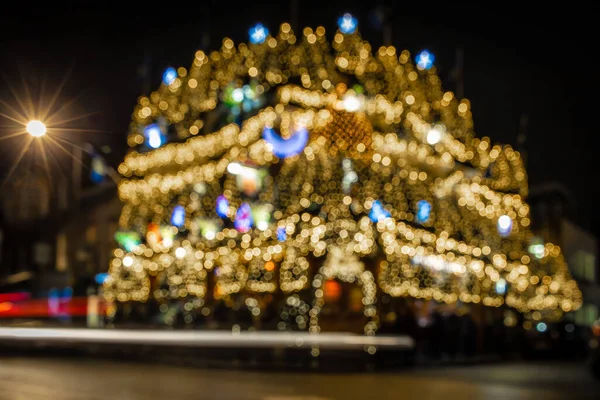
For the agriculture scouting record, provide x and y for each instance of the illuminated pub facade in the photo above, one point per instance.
(294, 183)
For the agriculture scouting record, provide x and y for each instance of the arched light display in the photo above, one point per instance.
(284, 148)
(347, 181)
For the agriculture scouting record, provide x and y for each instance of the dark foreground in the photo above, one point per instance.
(89, 378)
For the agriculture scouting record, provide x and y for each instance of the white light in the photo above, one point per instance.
(351, 103)
(537, 250)
(210, 235)
(238, 95)
(238, 169)
(246, 339)
(36, 128)
(234, 168)
(501, 286)
(200, 188)
(504, 222)
(127, 261)
(434, 136)
(154, 136)
(167, 242)
(262, 225)
(180, 252)
(504, 225)
(352, 177)
(154, 141)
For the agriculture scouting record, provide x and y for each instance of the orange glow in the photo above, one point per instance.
(596, 328)
(333, 290)
(269, 266)
(6, 306)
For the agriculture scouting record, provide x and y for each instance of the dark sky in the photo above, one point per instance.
(535, 61)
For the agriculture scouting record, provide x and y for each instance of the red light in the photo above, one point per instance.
(332, 290)
(14, 297)
(596, 328)
(39, 308)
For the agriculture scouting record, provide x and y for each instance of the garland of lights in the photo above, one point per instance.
(286, 162)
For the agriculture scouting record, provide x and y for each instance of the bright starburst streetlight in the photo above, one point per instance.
(41, 122)
(36, 128)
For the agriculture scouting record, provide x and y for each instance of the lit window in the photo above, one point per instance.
(90, 234)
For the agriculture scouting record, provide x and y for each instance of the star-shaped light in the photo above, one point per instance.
(425, 60)
(258, 33)
(169, 76)
(347, 23)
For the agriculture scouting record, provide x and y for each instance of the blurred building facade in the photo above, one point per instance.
(553, 211)
(55, 233)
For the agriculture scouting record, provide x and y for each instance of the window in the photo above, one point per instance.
(583, 266)
(586, 315)
(113, 226)
(62, 260)
(590, 267)
(90, 234)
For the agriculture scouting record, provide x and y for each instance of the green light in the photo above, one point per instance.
(128, 240)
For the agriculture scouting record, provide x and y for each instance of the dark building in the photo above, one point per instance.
(553, 212)
(55, 233)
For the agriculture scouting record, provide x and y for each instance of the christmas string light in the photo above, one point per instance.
(391, 189)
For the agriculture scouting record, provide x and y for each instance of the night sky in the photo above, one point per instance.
(516, 61)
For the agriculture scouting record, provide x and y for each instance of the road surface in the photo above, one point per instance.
(92, 379)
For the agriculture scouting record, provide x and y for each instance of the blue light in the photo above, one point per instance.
(281, 234)
(425, 59)
(98, 170)
(284, 148)
(347, 23)
(541, 327)
(169, 76)
(101, 278)
(243, 218)
(258, 33)
(178, 216)
(222, 206)
(154, 136)
(377, 212)
(423, 211)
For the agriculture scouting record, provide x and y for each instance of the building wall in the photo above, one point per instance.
(581, 252)
(87, 240)
(553, 208)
